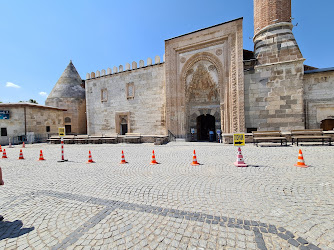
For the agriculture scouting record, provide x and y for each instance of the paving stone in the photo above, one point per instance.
(72, 204)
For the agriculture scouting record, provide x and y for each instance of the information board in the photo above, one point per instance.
(4, 114)
(239, 140)
(61, 131)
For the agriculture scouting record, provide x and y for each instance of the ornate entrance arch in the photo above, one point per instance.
(202, 81)
(218, 48)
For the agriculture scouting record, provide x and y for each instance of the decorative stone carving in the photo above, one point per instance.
(134, 65)
(183, 60)
(202, 88)
(87, 76)
(103, 72)
(109, 72)
(190, 71)
(115, 70)
(97, 73)
(212, 68)
(141, 63)
(127, 66)
(120, 68)
(219, 52)
(92, 75)
(234, 100)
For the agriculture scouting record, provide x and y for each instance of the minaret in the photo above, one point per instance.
(68, 93)
(273, 39)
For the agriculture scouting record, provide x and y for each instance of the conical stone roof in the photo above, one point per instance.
(68, 85)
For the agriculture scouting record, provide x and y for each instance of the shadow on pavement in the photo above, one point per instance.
(13, 229)
(256, 166)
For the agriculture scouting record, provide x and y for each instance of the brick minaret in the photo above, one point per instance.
(274, 41)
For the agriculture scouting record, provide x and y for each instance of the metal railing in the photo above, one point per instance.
(171, 136)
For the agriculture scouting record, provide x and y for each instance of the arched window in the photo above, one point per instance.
(67, 120)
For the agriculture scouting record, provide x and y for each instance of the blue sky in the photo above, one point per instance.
(39, 38)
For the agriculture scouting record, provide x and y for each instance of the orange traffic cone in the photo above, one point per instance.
(240, 161)
(153, 159)
(300, 163)
(23, 145)
(41, 158)
(0, 149)
(123, 161)
(4, 155)
(21, 155)
(90, 159)
(194, 163)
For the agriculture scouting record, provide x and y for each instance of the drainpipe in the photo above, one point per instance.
(25, 122)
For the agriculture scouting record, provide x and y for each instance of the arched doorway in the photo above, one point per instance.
(327, 124)
(124, 126)
(205, 123)
(68, 128)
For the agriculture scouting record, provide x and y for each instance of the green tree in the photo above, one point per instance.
(33, 101)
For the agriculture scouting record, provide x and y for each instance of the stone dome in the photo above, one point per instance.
(68, 85)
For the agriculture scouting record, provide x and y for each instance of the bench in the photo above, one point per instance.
(132, 138)
(54, 140)
(268, 136)
(310, 135)
(112, 138)
(69, 139)
(81, 139)
(95, 139)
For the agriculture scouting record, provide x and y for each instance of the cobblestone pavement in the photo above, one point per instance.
(73, 205)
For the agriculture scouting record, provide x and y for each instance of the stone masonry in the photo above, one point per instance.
(69, 94)
(319, 97)
(26, 117)
(135, 96)
(202, 79)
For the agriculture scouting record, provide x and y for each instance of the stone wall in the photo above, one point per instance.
(30, 119)
(276, 43)
(76, 111)
(319, 97)
(136, 96)
(274, 97)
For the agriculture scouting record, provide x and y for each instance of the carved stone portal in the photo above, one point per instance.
(202, 88)
(210, 81)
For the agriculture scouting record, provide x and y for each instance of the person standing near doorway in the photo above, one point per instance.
(211, 135)
(1, 183)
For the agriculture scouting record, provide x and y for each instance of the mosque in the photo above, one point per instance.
(205, 81)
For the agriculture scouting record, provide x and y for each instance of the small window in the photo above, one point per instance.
(3, 131)
(47, 128)
(104, 95)
(67, 120)
(130, 90)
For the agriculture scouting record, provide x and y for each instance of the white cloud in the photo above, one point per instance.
(12, 85)
(43, 93)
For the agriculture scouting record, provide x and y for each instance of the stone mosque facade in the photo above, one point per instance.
(206, 81)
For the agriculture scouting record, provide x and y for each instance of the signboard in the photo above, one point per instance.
(192, 130)
(219, 131)
(4, 114)
(239, 140)
(61, 131)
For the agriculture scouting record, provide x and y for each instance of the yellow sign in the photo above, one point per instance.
(61, 131)
(239, 140)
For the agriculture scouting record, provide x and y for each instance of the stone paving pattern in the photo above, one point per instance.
(173, 205)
